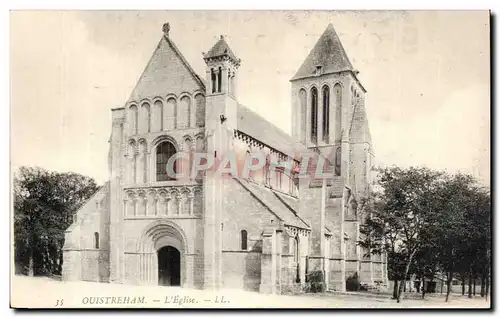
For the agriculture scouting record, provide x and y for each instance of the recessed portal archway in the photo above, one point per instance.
(162, 251)
(169, 266)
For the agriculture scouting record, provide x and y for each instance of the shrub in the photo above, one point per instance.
(316, 281)
(352, 283)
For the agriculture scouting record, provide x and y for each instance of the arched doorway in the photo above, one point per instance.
(169, 266)
(162, 251)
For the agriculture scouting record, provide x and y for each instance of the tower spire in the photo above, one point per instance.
(222, 51)
(327, 56)
(222, 68)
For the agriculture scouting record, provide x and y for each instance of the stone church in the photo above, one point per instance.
(265, 232)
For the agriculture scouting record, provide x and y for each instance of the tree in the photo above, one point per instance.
(400, 211)
(463, 231)
(426, 264)
(44, 205)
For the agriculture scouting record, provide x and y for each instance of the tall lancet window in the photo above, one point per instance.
(213, 78)
(314, 115)
(337, 90)
(96, 240)
(164, 151)
(303, 115)
(219, 80)
(326, 113)
(244, 240)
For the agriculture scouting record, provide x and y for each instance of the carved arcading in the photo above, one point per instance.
(250, 141)
(185, 194)
(293, 231)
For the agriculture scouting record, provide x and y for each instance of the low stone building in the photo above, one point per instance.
(264, 231)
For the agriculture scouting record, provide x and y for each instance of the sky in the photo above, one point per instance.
(427, 76)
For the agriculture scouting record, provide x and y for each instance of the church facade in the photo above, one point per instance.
(265, 231)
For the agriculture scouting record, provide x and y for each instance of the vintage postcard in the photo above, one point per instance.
(250, 159)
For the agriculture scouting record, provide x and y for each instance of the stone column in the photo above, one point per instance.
(224, 79)
(304, 251)
(268, 262)
(277, 256)
(326, 265)
(152, 274)
(115, 208)
(358, 248)
(235, 84)
(213, 194)
(342, 285)
(322, 225)
(288, 278)
(189, 260)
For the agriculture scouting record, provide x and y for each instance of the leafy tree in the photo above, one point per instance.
(463, 231)
(430, 223)
(44, 205)
(401, 209)
(426, 264)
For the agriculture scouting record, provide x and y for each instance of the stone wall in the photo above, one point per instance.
(242, 211)
(86, 246)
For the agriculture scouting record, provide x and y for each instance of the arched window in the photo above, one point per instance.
(279, 179)
(337, 89)
(134, 116)
(338, 162)
(170, 114)
(131, 163)
(296, 257)
(145, 119)
(296, 249)
(164, 151)
(184, 114)
(314, 115)
(213, 77)
(96, 240)
(200, 110)
(157, 116)
(303, 115)
(244, 241)
(219, 80)
(326, 113)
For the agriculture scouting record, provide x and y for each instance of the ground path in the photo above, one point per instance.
(41, 292)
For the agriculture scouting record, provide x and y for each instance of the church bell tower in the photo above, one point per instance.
(220, 122)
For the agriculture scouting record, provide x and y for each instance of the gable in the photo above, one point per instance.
(166, 72)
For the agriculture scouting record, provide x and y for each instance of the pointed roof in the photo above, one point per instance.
(256, 126)
(166, 60)
(328, 53)
(273, 203)
(221, 48)
(184, 61)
